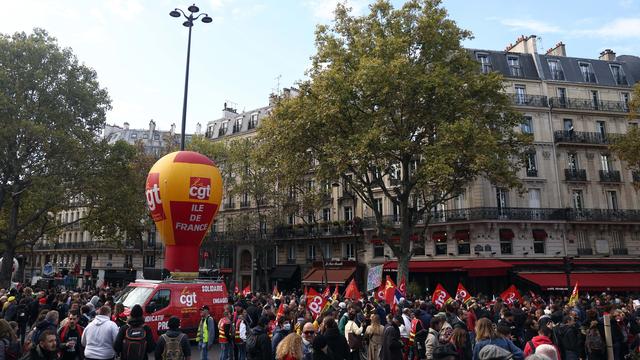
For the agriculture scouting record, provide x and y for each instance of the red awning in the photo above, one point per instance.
(475, 268)
(506, 234)
(462, 235)
(439, 236)
(334, 276)
(609, 281)
(539, 234)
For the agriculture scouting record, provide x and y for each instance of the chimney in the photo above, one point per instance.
(608, 55)
(173, 129)
(152, 126)
(126, 126)
(198, 129)
(273, 98)
(524, 45)
(558, 50)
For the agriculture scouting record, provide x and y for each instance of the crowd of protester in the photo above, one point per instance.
(52, 324)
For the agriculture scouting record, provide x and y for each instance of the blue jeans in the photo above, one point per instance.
(225, 351)
(242, 352)
(204, 351)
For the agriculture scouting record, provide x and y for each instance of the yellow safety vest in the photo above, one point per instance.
(203, 331)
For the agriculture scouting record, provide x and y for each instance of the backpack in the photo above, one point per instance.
(11, 350)
(252, 343)
(22, 315)
(172, 347)
(593, 342)
(134, 344)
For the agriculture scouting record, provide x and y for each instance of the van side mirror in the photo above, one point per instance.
(150, 308)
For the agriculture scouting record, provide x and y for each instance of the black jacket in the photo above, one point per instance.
(338, 344)
(37, 353)
(391, 344)
(133, 323)
(262, 349)
(184, 343)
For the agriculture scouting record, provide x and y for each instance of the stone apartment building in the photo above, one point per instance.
(578, 220)
(94, 260)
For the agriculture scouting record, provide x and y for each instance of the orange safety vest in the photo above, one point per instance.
(222, 338)
(414, 328)
(238, 339)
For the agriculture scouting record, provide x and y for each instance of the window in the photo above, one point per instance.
(440, 240)
(291, 254)
(567, 125)
(377, 204)
(378, 250)
(587, 72)
(349, 251)
(223, 128)
(396, 213)
(485, 63)
(149, 261)
(145, 136)
(605, 162)
(555, 69)
(134, 135)
(290, 219)
(617, 242)
(595, 101)
(156, 136)
(151, 239)
(527, 125)
(394, 173)
(534, 198)
(612, 200)
(618, 74)
(501, 200)
(160, 299)
(539, 239)
(311, 252)
(237, 126)
(514, 65)
(521, 94)
(577, 200)
(418, 248)
(311, 184)
(562, 96)
(326, 214)
(463, 241)
(624, 97)
(327, 251)
(584, 245)
(253, 122)
(530, 159)
(459, 201)
(601, 128)
(572, 161)
(506, 241)
(348, 213)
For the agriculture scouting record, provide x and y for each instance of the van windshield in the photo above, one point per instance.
(134, 295)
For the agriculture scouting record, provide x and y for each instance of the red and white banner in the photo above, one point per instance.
(440, 297)
(352, 291)
(462, 294)
(389, 290)
(246, 291)
(511, 295)
(379, 293)
(315, 302)
(402, 287)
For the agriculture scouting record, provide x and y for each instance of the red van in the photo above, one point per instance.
(163, 299)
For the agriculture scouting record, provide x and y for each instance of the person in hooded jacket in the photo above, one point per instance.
(99, 336)
(570, 339)
(544, 337)
(172, 333)
(136, 320)
(336, 341)
(262, 349)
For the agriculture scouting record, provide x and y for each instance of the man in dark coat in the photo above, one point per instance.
(336, 341)
(391, 342)
(136, 321)
(46, 348)
(262, 348)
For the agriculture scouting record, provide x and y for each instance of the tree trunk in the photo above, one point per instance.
(403, 268)
(7, 267)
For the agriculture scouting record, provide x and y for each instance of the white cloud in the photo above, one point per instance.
(618, 28)
(125, 9)
(530, 25)
(323, 9)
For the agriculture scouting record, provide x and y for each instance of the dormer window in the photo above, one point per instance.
(485, 63)
(514, 65)
(618, 74)
(237, 126)
(223, 128)
(587, 72)
(253, 121)
(555, 69)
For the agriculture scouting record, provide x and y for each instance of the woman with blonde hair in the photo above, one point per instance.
(290, 348)
(374, 336)
(486, 335)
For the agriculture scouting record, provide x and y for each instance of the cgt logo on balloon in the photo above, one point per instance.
(152, 193)
(199, 188)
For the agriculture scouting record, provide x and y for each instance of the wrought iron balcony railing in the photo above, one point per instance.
(575, 174)
(585, 251)
(580, 137)
(620, 251)
(529, 100)
(588, 104)
(609, 175)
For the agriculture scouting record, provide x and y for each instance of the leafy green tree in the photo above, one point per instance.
(393, 94)
(51, 111)
(627, 146)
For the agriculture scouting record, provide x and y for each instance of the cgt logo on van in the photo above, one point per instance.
(187, 298)
(199, 188)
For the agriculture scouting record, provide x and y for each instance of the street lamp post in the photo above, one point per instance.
(193, 10)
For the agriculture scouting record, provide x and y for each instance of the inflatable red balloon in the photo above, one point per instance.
(183, 191)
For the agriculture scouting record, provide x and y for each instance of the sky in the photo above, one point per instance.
(257, 47)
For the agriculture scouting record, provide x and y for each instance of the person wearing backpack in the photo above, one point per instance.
(22, 318)
(174, 344)
(135, 339)
(258, 343)
(594, 343)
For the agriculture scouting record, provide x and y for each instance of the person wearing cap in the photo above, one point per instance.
(173, 335)
(11, 310)
(134, 323)
(206, 332)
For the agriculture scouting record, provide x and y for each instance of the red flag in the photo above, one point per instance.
(440, 297)
(280, 312)
(511, 295)
(246, 291)
(336, 293)
(462, 294)
(389, 291)
(379, 294)
(326, 292)
(402, 287)
(352, 291)
(315, 302)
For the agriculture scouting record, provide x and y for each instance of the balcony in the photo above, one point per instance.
(575, 174)
(603, 215)
(579, 137)
(585, 251)
(229, 205)
(588, 104)
(245, 204)
(620, 251)
(609, 176)
(528, 100)
(532, 172)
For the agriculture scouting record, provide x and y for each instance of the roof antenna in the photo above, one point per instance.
(540, 46)
(278, 84)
